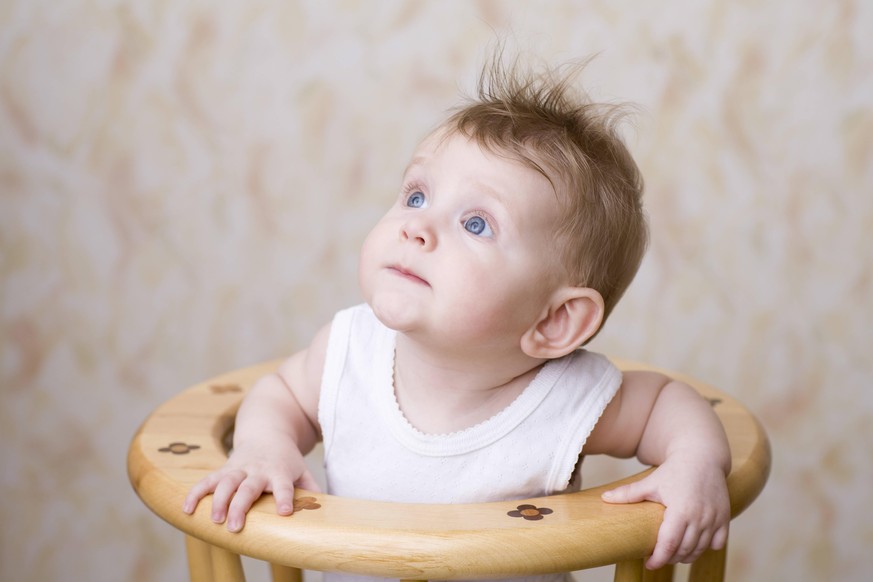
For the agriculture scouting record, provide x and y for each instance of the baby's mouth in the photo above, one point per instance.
(407, 274)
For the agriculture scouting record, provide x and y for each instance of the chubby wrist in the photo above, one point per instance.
(260, 438)
(704, 457)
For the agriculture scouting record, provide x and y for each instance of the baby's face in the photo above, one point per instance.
(467, 253)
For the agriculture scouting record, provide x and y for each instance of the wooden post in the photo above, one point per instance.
(635, 571)
(226, 566)
(199, 559)
(285, 573)
(709, 567)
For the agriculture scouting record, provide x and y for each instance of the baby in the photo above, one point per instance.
(518, 226)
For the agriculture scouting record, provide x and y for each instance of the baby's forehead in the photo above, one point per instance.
(524, 155)
(436, 140)
(520, 154)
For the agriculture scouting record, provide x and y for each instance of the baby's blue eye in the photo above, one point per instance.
(415, 200)
(477, 225)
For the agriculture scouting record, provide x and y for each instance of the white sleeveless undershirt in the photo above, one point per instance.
(529, 449)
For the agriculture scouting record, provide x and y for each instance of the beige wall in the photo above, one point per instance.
(183, 186)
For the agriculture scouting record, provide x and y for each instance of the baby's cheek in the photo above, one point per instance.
(368, 258)
(486, 317)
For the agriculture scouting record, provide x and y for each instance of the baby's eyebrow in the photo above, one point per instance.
(415, 162)
(488, 190)
(494, 193)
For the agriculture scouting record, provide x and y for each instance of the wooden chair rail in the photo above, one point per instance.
(183, 440)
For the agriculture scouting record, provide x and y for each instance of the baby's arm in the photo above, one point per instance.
(277, 424)
(667, 423)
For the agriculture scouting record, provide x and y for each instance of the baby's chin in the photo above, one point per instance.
(396, 311)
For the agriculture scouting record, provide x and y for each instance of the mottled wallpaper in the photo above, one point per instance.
(184, 186)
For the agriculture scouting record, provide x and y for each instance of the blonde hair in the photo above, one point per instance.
(538, 119)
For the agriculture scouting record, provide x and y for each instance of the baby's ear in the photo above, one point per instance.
(571, 318)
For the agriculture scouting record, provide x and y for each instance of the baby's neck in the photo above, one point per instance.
(441, 393)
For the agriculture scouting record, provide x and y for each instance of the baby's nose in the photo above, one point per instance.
(418, 231)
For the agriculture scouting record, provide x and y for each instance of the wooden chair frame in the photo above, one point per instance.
(185, 438)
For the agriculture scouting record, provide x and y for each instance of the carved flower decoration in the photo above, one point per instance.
(225, 388)
(179, 448)
(529, 512)
(306, 503)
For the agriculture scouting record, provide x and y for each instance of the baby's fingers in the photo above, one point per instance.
(200, 490)
(631, 493)
(225, 489)
(720, 538)
(246, 493)
(283, 493)
(683, 541)
(674, 540)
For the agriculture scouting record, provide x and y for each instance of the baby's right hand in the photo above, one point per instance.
(248, 473)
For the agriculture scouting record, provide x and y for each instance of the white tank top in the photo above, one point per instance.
(529, 449)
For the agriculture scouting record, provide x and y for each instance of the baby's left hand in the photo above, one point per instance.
(698, 508)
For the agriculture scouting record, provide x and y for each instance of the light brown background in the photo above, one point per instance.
(183, 187)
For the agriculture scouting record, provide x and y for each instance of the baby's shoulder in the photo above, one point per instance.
(591, 366)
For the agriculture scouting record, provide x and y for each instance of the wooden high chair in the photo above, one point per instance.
(185, 438)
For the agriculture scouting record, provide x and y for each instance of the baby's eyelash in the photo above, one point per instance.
(484, 216)
(409, 188)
